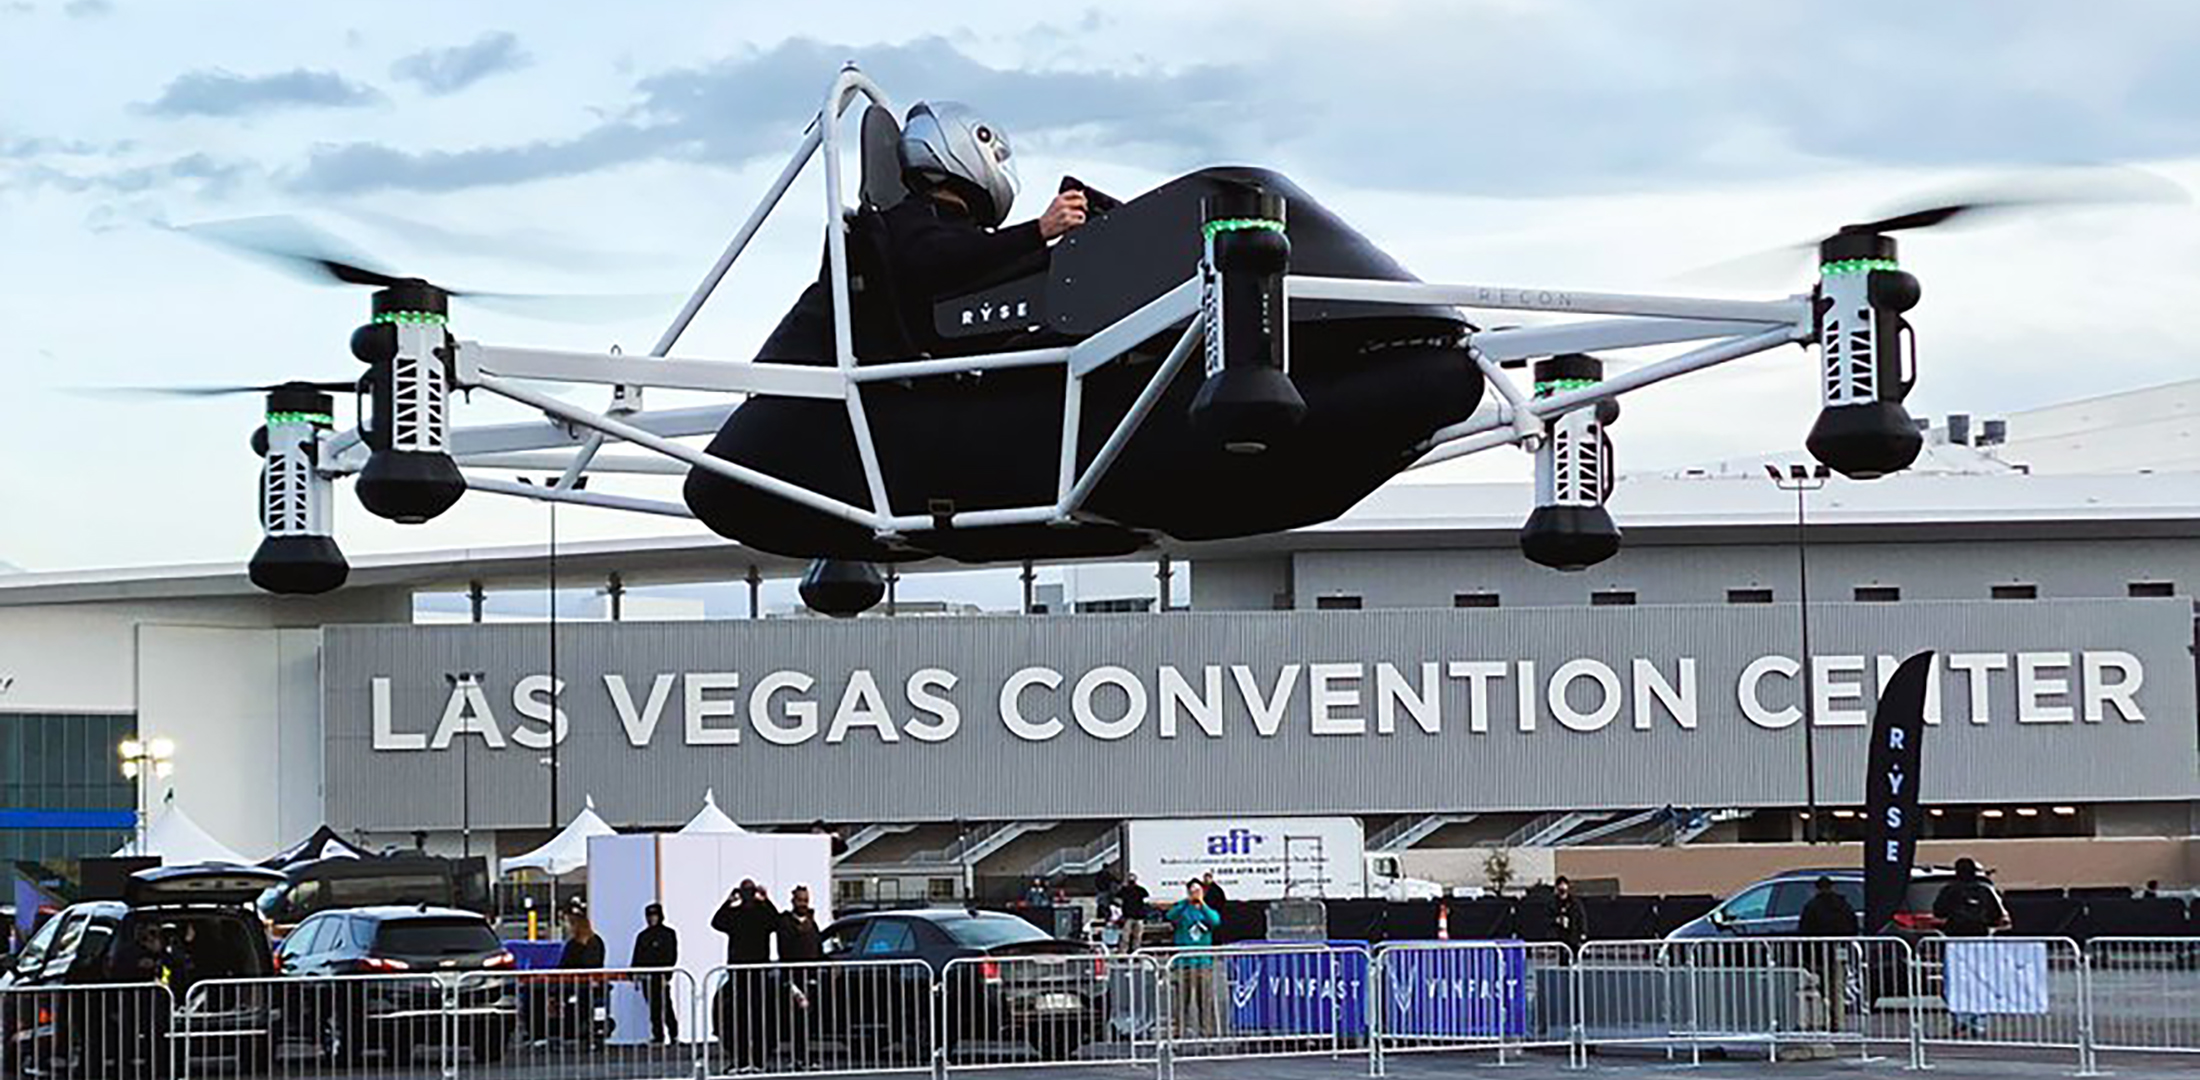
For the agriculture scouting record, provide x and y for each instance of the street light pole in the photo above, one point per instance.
(142, 761)
(1802, 480)
(579, 484)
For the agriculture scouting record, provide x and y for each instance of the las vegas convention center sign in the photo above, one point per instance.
(1283, 712)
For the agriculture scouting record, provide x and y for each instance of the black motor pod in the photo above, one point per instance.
(1570, 528)
(1247, 402)
(409, 486)
(1863, 432)
(842, 588)
(297, 554)
(410, 476)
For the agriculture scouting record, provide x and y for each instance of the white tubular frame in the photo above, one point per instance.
(567, 442)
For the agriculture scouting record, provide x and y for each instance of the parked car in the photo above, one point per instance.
(1773, 907)
(347, 1012)
(77, 997)
(1021, 986)
(343, 882)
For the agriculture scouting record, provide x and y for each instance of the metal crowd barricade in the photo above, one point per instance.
(603, 1022)
(1798, 997)
(862, 1017)
(2143, 994)
(1630, 993)
(1069, 1008)
(1264, 999)
(118, 1030)
(1506, 996)
(374, 1025)
(2026, 992)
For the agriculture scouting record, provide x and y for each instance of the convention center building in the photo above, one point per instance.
(1403, 664)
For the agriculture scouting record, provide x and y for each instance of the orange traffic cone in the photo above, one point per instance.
(1443, 921)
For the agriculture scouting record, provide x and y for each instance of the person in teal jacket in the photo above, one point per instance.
(1197, 1008)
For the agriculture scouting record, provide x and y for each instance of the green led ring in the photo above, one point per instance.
(1856, 266)
(277, 419)
(1545, 389)
(1223, 225)
(420, 318)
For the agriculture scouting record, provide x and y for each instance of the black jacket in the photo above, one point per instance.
(1968, 909)
(1827, 915)
(1569, 920)
(656, 947)
(748, 928)
(799, 937)
(1132, 896)
(929, 251)
(582, 955)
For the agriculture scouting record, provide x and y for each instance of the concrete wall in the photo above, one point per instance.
(2017, 864)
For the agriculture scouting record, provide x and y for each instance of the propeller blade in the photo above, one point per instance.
(210, 391)
(294, 246)
(2043, 189)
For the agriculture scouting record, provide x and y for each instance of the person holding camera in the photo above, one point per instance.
(749, 921)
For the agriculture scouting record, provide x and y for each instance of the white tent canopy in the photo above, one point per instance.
(710, 819)
(177, 840)
(567, 851)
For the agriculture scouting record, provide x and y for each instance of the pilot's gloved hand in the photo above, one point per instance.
(1066, 212)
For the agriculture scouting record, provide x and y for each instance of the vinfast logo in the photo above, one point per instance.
(1242, 991)
(1235, 842)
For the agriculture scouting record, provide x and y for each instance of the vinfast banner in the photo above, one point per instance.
(1243, 713)
(1457, 992)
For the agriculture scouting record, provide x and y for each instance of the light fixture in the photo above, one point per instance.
(2066, 811)
(1989, 813)
(1937, 812)
(1844, 814)
(131, 748)
(161, 748)
(2028, 811)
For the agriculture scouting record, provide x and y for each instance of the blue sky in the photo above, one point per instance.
(612, 148)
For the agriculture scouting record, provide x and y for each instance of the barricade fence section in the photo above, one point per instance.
(2144, 994)
(1265, 999)
(853, 1017)
(1797, 996)
(1503, 996)
(2005, 991)
(117, 1030)
(1045, 1008)
(1882, 997)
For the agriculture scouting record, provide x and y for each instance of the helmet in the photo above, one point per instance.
(945, 142)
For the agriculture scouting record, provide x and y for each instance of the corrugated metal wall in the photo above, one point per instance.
(984, 772)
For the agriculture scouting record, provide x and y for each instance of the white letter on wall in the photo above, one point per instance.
(1608, 704)
(700, 708)
(2122, 694)
(1325, 698)
(1134, 703)
(386, 735)
(1746, 692)
(1680, 704)
(803, 713)
(922, 683)
(1012, 715)
(1205, 708)
(2033, 684)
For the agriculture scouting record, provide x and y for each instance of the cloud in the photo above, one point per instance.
(447, 71)
(88, 9)
(76, 168)
(738, 109)
(224, 93)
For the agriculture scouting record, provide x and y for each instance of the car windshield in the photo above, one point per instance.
(436, 937)
(979, 933)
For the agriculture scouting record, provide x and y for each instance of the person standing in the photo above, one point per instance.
(1195, 924)
(1132, 896)
(1828, 915)
(1968, 908)
(658, 946)
(1569, 920)
(749, 921)
(583, 951)
(801, 944)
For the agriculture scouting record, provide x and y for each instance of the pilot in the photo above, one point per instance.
(947, 238)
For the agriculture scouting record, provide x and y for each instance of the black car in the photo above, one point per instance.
(113, 987)
(345, 882)
(379, 979)
(1015, 982)
(1774, 907)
